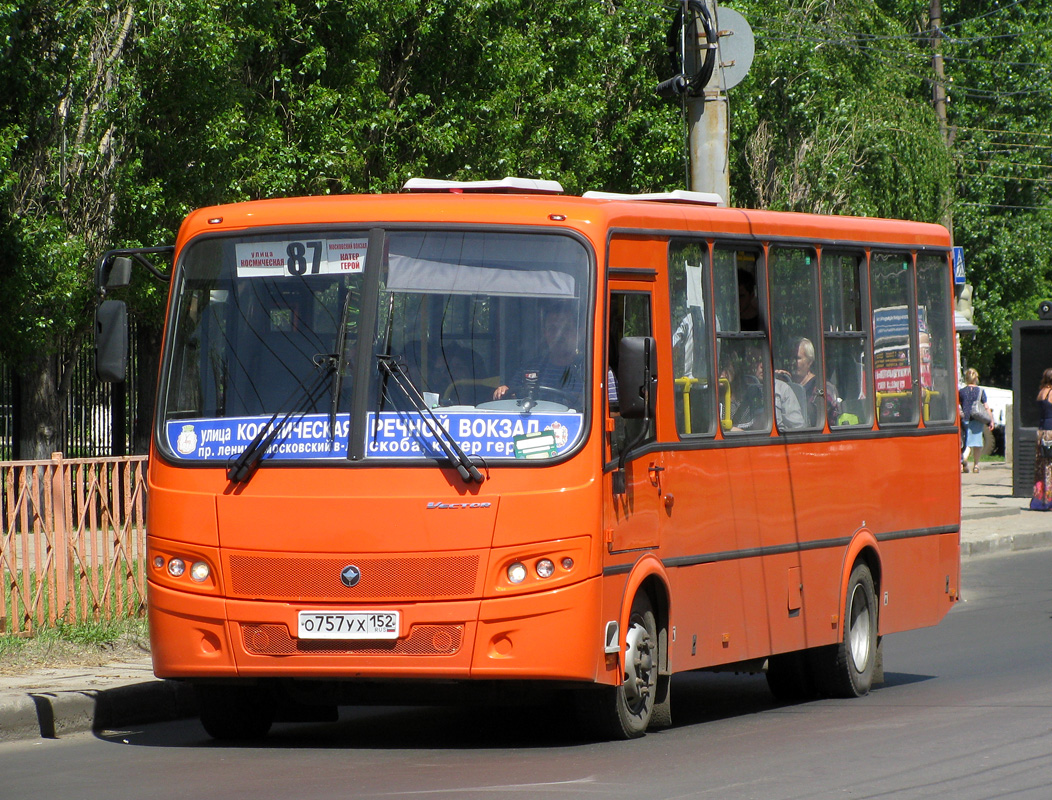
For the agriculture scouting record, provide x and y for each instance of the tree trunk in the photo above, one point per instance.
(41, 421)
(147, 358)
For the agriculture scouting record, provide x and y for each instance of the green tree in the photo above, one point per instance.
(61, 150)
(834, 115)
(998, 60)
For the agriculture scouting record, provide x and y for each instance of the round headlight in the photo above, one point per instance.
(199, 572)
(158, 562)
(545, 568)
(567, 563)
(176, 567)
(517, 573)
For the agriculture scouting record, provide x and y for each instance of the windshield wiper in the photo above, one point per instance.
(457, 457)
(241, 469)
(337, 381)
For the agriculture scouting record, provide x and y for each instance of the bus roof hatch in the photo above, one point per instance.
(676, 196)
(505, 186)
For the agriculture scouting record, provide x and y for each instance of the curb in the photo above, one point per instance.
(1014, 542)
(50, 715)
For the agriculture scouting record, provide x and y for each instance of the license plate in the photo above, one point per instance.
(348, 624)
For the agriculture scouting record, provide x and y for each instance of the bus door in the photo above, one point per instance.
(632, 518)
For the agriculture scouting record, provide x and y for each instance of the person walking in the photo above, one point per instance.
(969, 397)
(1042, 499)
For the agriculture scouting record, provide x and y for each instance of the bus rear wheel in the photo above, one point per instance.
(235, 713)
(849, 667)
(625, 711)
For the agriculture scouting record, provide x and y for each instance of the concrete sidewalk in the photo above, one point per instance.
(50, 703)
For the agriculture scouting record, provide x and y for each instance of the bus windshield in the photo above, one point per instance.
(485, 333)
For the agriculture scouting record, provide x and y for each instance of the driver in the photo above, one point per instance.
(559, 366)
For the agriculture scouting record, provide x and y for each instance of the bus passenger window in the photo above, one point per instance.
(893, 372)
(794, 334)
(691, 350)
(744, 381)
(846, 336)
(935, 338)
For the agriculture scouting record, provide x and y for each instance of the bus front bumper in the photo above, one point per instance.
(554, 635)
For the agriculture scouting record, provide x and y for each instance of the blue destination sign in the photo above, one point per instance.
(391, 434)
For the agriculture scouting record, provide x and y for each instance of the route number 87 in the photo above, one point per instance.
(297, 253)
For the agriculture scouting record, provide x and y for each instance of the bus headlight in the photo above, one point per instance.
(516, 572)
(545, 568)
(199, 572)
(176, 567)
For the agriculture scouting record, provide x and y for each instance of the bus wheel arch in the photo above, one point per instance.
(849, 667)
(656, 588)
(641, 700)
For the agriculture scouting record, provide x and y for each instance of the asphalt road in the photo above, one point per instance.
(966, 712)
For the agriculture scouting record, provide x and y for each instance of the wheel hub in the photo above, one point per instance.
(639, 665)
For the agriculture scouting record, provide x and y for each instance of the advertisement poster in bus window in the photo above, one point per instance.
(391, 434)
(892, 372)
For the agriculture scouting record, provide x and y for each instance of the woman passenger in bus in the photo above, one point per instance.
(803, 374)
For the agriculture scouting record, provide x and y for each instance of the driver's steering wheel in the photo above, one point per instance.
(554, 395)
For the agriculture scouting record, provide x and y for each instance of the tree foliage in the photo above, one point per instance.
(119, 118)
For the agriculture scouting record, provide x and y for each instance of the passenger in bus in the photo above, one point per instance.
(802, 374)
(557, 373)
(787, 411)
(453, 376)
(746, 379)
(748, 302)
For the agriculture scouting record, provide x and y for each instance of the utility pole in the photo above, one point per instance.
(939, 92)
(706, 107)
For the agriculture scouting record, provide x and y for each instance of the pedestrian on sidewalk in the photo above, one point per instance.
(971, 397)
(1042, 499)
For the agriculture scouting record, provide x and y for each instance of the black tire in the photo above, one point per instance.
(235, 713)
(848, 667)
(625, 711)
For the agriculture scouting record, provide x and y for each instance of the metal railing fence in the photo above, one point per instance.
(72, 542)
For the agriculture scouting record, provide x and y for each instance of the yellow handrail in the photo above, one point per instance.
(686, 382)
(927, 394)
(725, 417)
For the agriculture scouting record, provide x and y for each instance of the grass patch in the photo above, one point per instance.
(75, 644)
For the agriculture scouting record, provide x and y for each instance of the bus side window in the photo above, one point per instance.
(846, 336)
(935, 338)
(795, 343)
(691, 348)
(629, 316)
(744, 375)
(891, 274)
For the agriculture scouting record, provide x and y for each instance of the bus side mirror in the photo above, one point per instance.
(111, 341)
(116, 273)
(636, 376)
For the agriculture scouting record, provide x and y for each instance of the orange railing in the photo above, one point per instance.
(73, 541)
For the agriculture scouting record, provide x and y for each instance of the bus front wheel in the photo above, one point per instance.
(625, 711)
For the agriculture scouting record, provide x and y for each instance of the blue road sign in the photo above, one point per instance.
(958, 265)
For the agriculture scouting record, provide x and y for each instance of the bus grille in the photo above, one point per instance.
(304, 578)
(423, 640)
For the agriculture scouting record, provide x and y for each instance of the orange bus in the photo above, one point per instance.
(491, 436)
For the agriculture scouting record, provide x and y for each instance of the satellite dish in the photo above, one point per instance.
(737, 45)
